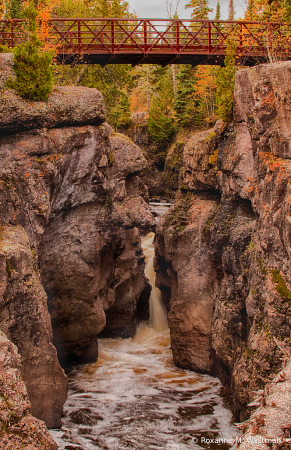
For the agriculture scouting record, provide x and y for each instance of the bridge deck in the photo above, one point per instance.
(157, 41)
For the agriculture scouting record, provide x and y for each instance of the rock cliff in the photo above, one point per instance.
(234, 225)
(25, 320)
(18, 428)
(70, 215)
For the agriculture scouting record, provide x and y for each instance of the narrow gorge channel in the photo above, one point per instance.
(134, 397)
(77, 271)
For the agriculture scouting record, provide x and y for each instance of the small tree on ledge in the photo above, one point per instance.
(34, 79)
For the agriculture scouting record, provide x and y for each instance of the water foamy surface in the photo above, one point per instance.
(134, 397)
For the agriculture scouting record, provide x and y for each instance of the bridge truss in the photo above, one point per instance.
(157, 41)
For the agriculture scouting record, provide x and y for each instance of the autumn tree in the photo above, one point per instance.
(141, 95)
(250, 13)
(269, 10)
(92, 8)
(3, 8)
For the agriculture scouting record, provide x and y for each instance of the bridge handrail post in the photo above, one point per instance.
(11, 43)
(209, 37)
(79, 36)
(145, 38)
(112, 36)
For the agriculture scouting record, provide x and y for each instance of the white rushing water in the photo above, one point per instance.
(134, 397)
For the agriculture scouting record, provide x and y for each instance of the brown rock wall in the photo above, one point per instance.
(66, 106)
(18, 428)
(248, 237)
(184, 265)
(25, 320)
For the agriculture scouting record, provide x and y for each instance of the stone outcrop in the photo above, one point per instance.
(90, 255)
(246, 166)
(25, 320)
(188, 272)
(164, 159)
(66, 106)
(19, 429)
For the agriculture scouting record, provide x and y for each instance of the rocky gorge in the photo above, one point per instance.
(73, 207)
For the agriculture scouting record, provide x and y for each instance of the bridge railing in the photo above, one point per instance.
(154, 36)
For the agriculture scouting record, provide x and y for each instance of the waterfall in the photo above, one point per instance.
(135, 398)
(158, 313)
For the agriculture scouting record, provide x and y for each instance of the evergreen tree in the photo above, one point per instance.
(120, 113)
(225, 78)
(160, 121)
(185, 105)
(15, 9)
(217, 13)
(200, 9)
(231, 10)
(33, 69)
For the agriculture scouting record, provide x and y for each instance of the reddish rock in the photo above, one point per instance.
(66, 106)
(249, 236)
(184, 266)
(25, 320)
(18, 428)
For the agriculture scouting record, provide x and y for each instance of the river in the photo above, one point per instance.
(134, 397)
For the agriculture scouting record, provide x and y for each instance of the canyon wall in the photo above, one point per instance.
(223, 251)
(19, 429)
(71, 210)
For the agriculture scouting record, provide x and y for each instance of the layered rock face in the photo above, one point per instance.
(91, 259)
(244, 235)
(70, 210)
(25, 320)
(19, 429)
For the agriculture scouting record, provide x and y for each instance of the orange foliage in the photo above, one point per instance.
(206, 87)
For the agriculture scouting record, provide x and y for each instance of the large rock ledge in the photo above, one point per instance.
(18, 428)
(66, 106)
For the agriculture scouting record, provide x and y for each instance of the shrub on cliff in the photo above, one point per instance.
(34, 79)
(33, 71)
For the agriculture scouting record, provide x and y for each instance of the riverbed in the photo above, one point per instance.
(134, 397)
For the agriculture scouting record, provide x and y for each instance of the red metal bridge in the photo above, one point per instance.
(157, 41)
